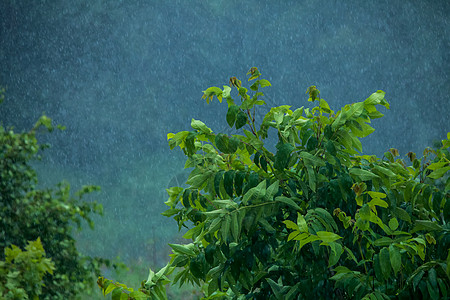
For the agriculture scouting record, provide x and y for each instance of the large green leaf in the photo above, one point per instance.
(362, 175)
(395, 258)
(288, 201)
(255, 193)
(282, 156)
(231, 114)
(199, 125)
(241, 119)
(310, 159)
(385, 262)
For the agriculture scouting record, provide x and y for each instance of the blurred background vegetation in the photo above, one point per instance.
(120, 75)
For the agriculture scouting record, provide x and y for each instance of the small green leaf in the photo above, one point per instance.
(393, 224)
(211, 92)
(264, 83)
(291, 225)
(226, 91)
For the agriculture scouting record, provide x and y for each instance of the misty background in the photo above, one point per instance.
(120, 75)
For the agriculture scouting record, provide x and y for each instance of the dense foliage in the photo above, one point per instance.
(22, 271)
(314, 219)
(28, 213)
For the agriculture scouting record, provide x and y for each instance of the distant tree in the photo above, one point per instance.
(315, 219)
(28, 213)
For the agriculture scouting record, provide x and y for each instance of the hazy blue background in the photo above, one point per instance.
(122, 74)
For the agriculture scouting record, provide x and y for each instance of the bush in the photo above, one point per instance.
(313, 219)
(22, 271)
(28, 213)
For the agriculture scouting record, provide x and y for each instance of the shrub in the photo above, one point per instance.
(315, 218)
(22, 271)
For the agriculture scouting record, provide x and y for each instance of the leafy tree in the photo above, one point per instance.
(22, 271)
(315, 218)
(28, 213)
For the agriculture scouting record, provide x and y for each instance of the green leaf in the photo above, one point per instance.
(211, 92)
(217, 180)
(311, 178)
(282, 156)
(272, 190)
(432, 278)
(395, 258)
(331, 148)
(198, 180)
(225, 227)
(292, 225)
(238, 182)
(378, 202)
(301, 222)
(384, 171)
(328, 237)
(183, 249)
(287, 201)
(221, 142)
(226, 92)
(241, 119)
(231, 114)
(276, 288)
(377, 268)
(393, 224)
(199, 125)
(383, 241)
(373, 194)
(228, 179)
(448, 263)
(439, 173)
(376, 98)
(235, 226)
(362, 175)
(264, 83)
(111, 287)
(310, 159)
(426, 225)
(255, 193)
(402, 214)
(336, 252)
(385, 262)
(266, 225)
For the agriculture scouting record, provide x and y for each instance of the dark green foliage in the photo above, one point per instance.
(28, 213)
(314, 220)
